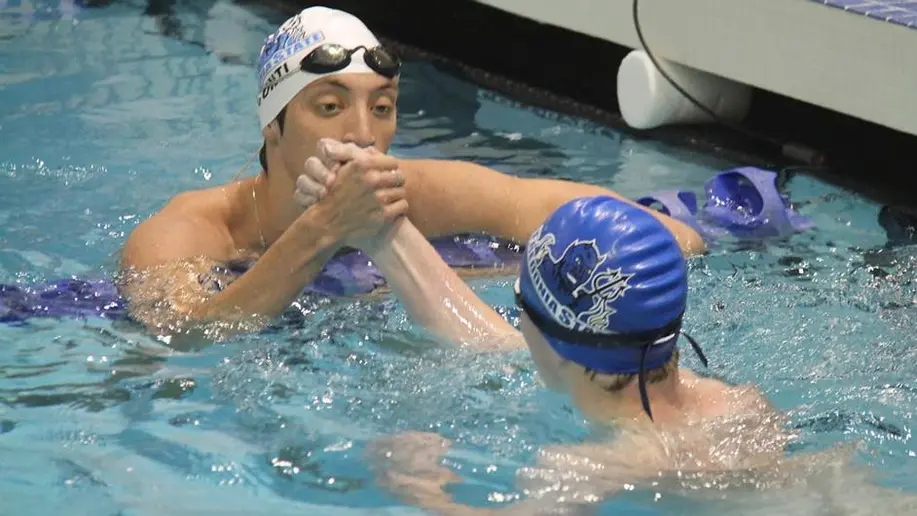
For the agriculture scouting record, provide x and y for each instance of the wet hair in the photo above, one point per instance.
(616, 382)
(262, 154)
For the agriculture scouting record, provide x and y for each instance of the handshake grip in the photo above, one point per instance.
(743, 203)
(334, 159)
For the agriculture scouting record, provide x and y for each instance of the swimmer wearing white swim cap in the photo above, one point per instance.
(603, 294)
(327, 91)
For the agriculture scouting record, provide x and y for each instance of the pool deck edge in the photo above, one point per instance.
(806, 50)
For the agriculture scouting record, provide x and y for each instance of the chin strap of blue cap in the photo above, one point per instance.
(641, 377)
(644, 340)
(742, 202)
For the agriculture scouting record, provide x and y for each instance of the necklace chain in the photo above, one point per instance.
(258, 216)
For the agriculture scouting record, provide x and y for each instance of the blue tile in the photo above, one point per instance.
(908, 19)
(862, 6)
(901, 12)
(910, 5)
(879, 12)
(849, 3)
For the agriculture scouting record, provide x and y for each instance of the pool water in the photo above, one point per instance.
(103, 119)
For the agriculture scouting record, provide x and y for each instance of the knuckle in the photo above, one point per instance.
(366, 179)
(383, 180)
(313, 165)
(374, 178)
(318, 175)
(363, 162)
(304, 183)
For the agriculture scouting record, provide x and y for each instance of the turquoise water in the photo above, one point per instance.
(102, 120)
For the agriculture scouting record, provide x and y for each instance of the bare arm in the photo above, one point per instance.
(449, 197)
(168, 292)
(434, 295)
(166, 295)
(410, 465)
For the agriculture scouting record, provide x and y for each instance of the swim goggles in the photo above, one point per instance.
(643, 340)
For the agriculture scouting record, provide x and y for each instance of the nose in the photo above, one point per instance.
(359, 128)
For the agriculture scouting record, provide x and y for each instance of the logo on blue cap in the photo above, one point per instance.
(578, 288)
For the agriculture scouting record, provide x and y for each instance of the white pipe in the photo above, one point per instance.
(647, 99)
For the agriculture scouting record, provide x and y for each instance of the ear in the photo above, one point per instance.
(271, 132)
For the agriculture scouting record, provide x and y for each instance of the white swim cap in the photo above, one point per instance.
(279, 75)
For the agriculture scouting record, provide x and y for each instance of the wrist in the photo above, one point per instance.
(383, 243)
(315, 222)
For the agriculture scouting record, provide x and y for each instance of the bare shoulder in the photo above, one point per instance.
(717, 398)
(192, 224)
(750, 398)
(167, 263)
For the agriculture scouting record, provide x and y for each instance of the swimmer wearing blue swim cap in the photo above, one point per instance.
(602, 289)
(606, 287)
(603, 292)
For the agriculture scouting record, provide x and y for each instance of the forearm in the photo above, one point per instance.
(275, 280)
(252, 300)
(449, 197)
(419, 493)
(432, 292)
(555, 192)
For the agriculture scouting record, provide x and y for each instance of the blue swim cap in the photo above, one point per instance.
(606, 283)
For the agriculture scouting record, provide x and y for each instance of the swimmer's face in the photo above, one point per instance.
(546, 359)
(352, 108)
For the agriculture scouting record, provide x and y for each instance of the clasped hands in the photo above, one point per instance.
(361, 190)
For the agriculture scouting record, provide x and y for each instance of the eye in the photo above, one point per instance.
(329, 108)
(383, 108)
(327, 105)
